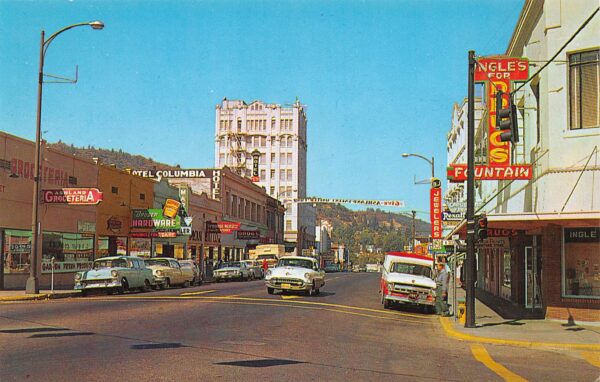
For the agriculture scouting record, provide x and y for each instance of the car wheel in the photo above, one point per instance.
(167, 283)
(386, 304)
(147, 286)
(83, 293)
(124, 286)
(317, 292)
(270, 290)
(186, 284)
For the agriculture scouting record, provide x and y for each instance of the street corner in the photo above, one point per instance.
(455, 331)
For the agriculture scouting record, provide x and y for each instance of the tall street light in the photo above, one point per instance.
(33, 283)
(432, 163)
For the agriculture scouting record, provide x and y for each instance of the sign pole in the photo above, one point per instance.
(470, 261)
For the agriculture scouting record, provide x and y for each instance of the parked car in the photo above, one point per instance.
(332, 267)
(197, 280)
(295, 273)
(167, 272)
(234, 270)
(116, 273)
(254, 269)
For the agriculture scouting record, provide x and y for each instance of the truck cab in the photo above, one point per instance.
(407, 278)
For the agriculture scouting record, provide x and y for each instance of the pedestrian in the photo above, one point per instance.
(265, 266)
(441, 291)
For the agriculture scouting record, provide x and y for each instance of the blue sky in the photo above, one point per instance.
(379, 78)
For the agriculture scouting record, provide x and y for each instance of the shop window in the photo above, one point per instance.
(581, 263)
(71, 251)
(584, 90)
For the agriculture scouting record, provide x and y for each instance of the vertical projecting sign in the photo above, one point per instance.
(435, 208)
(255, 159)
(497, 73)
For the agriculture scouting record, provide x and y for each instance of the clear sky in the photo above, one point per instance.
(379, 78)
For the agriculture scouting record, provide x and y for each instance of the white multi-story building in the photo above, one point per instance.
(323, 237)
(277, 137)
(544, 251)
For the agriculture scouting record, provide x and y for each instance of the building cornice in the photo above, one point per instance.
(528, 19)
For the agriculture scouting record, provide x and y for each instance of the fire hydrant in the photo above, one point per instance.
(461, 311)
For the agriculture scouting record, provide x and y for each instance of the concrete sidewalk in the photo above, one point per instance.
(493, 328)
(20, 295)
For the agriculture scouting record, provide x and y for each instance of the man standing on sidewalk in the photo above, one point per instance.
(441, 291)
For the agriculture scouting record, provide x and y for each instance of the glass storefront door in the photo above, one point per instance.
(533, 270)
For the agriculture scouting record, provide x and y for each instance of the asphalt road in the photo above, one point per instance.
(237, 332)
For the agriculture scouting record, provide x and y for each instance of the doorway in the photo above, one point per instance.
(533, 271)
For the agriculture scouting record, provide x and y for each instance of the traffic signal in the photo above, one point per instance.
(481, 227)
(506, 119)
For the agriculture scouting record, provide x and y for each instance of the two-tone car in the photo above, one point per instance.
(233, 270)
(295, 273)
(167, 271)
(115, 274)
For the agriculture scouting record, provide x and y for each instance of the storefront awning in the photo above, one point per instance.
(531, 221)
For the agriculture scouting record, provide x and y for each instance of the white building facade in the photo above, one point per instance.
(544, 253)
(277, 137)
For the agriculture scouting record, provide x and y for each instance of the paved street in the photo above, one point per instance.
(236, 331)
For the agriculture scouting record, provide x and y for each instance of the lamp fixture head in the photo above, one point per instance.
(98, 25)
(404, 155)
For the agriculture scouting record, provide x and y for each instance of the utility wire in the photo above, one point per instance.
(559, 51)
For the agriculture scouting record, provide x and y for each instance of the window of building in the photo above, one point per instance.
(263, 175)
(288, 225)
(272, 157)
(584, 90)
(282, 176)
(581, 267)
(239, 125)
(272, 188)
(288, 175)
(263, 141)
(272, 175)
(273, 123)
(142, 196)
(114, 190)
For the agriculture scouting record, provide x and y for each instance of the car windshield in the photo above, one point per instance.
(113, 263)
(162, 263)
(267, 257)
(411, 269)
(186, 265)
(233, 264)
(303, 263)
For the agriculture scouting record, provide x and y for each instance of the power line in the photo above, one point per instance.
(559, 51)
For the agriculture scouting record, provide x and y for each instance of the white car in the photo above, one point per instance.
(295, 273)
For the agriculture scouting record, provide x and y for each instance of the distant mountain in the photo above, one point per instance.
(119, 158)
(373, 227)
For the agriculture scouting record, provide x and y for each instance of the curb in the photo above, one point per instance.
(452, 332)
(39, 297)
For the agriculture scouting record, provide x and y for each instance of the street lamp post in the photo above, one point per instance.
(33, 283)
(432, 163)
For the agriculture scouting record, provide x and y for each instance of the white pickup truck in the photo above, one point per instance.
(407, 278)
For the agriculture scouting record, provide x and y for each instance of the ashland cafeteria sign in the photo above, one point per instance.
(73, 196)
(458, 172)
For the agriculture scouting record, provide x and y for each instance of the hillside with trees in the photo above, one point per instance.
(374, 228)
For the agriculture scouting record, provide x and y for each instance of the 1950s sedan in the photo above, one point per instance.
(168, 271)
(295, 273)
(116, 273)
